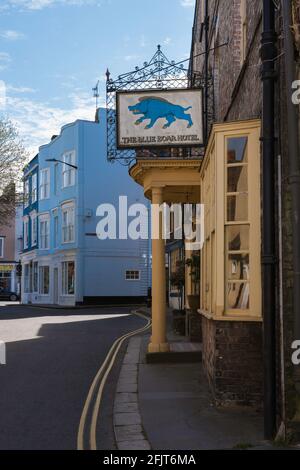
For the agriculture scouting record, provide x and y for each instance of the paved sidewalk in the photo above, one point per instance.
(178, 414)
(128, 428)
(168, 407)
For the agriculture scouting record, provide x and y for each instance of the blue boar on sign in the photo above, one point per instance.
(156, 108)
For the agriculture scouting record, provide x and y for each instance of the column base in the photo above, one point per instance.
(158, 347)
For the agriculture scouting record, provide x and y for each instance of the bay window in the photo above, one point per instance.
(230, 192)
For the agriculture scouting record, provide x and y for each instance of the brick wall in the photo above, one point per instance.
(232, 358)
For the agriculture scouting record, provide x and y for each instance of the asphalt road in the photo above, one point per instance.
(52, 357)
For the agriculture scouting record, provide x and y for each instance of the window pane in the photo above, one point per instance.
(237, 238)
(71, 278)
(238, 267)
(237, 179)
(238, 296)
(237, 150)
(237, 208)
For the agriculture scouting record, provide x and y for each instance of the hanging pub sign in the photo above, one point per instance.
(155, 118)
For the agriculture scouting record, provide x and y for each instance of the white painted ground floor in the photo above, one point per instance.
(73, 277)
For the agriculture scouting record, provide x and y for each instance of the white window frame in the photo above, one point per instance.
(44, 221)
(26, 270)
(64, 278)
(26, 232)
(56, 178)
(68, 228)
(34, 228)
(44, 183)
(26, 192)
(55, 228)
(68, 173)
(35, 276)
(34, 188)
(1, 247)
(135, 271)
(41, 280)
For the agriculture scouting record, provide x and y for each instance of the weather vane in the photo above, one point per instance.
(96, 93)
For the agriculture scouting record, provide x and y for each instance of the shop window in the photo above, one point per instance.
(5, 280)
(68, 278)
(44, 278)
(26, 278)
(35, 277)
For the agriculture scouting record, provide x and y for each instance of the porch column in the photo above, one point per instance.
(158, 342)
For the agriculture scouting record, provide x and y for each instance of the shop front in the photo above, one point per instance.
(8, 278)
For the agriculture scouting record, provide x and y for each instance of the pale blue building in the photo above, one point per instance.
(69, 264)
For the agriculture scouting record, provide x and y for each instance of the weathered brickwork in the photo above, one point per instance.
(232, 358)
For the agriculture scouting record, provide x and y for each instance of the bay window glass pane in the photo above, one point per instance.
(237, 150)
(237, 237)
(237, 208)
(238, 267)
(238, 295)
(237, 179)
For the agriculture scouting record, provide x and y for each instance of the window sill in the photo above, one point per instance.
(231, 317)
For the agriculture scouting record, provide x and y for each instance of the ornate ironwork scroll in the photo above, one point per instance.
(160, 74)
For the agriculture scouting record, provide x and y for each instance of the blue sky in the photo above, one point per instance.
(52, 52)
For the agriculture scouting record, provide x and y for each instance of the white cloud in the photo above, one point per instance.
(128, 58)
(38, 121)
(11, 35)
(143, 41)
(40, 4)
(187, 3)
(20, 89)
(167, 41)
(5, 59)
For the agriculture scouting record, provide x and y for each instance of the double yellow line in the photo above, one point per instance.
(99, 383)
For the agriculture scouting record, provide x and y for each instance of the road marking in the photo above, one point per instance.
(101, 376)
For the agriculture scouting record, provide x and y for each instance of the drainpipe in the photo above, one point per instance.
(206, 64)
(294, 174)
(268, 54)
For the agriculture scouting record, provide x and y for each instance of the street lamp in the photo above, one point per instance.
(60, 161)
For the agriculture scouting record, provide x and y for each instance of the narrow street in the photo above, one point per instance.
(52, 357)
